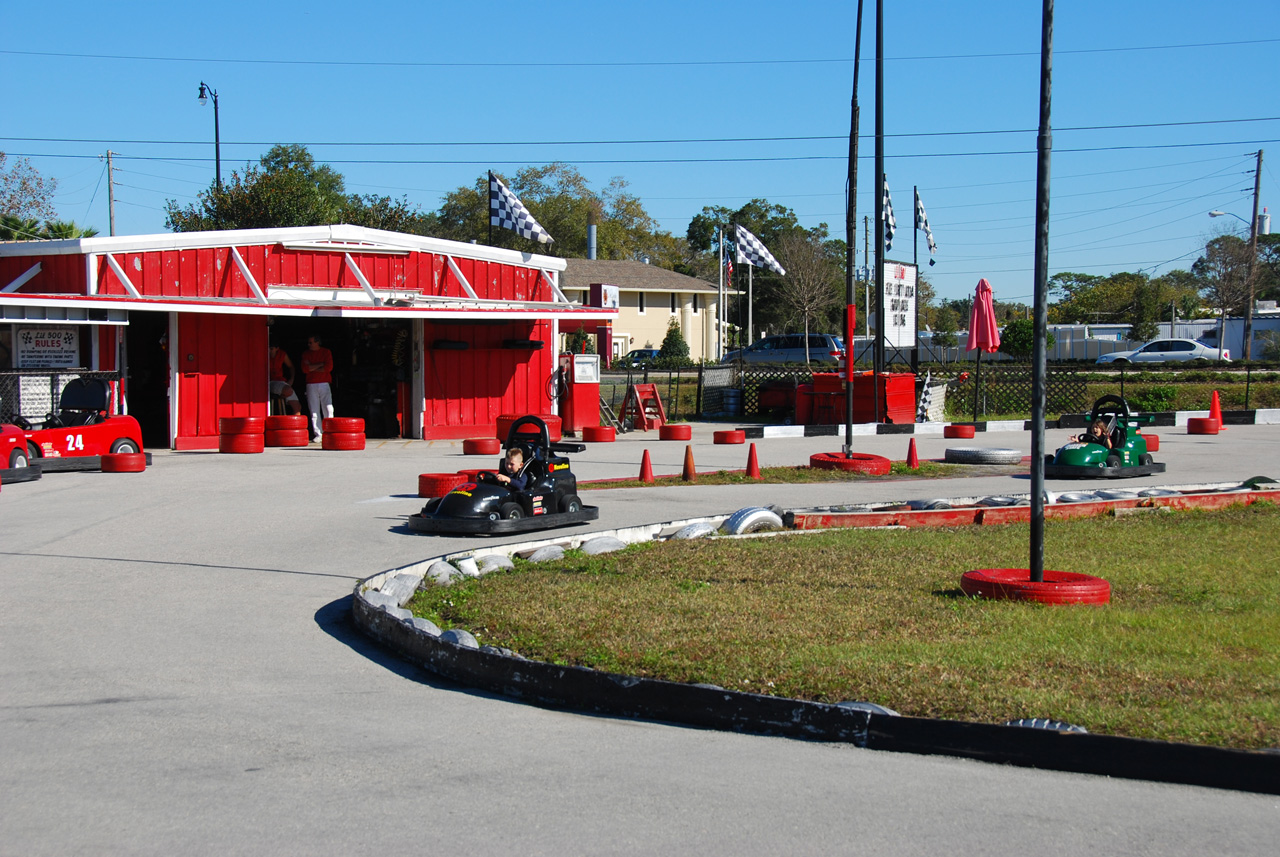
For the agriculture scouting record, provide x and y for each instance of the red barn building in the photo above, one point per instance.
(431, 338)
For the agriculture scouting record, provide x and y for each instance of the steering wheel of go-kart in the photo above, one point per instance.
(487, 477)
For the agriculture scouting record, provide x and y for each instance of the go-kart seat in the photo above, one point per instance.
(83, 403)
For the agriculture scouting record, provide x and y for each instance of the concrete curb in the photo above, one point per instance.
(377, 611)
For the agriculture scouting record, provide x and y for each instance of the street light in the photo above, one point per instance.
(1253, 258)
(1228, 214)
(205, 92)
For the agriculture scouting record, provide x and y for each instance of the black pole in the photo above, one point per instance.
(489, 213)
(850, 233)
(878, 351)
(915, 260)
(217, 144)
(1044, 145)
(977, 384)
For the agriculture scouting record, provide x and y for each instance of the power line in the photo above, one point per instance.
(642, 142)
(514, 62)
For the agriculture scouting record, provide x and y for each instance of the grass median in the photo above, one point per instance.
(1188, 650)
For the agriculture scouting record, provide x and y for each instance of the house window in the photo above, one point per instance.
(640, 302)
(697, 303)
(675, 303)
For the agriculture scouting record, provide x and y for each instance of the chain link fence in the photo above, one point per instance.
(36, 393)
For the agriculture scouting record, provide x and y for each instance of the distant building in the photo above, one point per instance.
(649, 298)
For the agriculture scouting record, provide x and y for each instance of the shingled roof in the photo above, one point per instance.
(629, 276)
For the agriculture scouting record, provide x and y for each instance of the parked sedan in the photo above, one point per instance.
(1167, 350)
(790, 348)
(638, 357)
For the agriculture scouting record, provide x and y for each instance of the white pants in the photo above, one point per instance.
(320, 404)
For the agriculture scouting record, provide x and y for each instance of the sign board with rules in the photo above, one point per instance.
(47, 348)
(899, 305)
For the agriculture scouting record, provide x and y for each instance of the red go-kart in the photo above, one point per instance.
(82, 425)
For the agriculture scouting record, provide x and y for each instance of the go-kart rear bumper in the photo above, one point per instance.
(1093, 471)
(420, 523)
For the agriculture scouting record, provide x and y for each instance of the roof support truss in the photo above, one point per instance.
(248, 277)
(122, 277)
(23, 279)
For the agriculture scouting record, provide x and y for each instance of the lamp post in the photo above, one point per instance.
(205, 92)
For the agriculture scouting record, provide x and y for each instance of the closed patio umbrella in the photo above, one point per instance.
(984, 334)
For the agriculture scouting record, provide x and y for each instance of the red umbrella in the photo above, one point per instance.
(984, 334)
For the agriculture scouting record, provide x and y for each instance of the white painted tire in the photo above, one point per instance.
(982, 455)
(752, 519)
(700, 530)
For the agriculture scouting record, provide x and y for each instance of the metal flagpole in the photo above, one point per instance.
(1044, 144)
(878, 351)
(750, 305)
(915, 260)
(850, 250)
(720, 297)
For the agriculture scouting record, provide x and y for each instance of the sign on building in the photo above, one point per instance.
(46, 347)
(899, 305)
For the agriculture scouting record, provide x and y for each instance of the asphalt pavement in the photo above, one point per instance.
(180, 675)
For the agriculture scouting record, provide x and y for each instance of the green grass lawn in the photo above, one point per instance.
(1188, 650)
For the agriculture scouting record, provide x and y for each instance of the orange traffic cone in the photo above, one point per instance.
(913, 460)
(1215, 411)
(689, 474)
(646, 469)
(753, 465)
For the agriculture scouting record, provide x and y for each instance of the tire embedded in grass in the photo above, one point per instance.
(857, 462)
(1015, 584)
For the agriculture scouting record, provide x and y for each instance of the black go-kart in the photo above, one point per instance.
(487, 507)
(1126, 457)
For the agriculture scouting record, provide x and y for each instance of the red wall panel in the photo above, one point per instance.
(222, 372)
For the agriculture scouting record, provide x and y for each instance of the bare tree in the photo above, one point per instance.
(24, 193)
(812, 283)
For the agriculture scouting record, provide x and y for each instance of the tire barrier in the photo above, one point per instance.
(957, 432)
(730, 436)
(982, 455)
(341, 440)
(753, 519)
(241, 425)
(857, 462)
(1203, 425)
(342, 425)
(481, 446)
(124, 462)
(287, 436)
(599, 434)
(682, 431)
(281, 422)
(1015, 584)
(471, 475)
(1153, 442)
(438, 484)
(554, 429)
(239, 444)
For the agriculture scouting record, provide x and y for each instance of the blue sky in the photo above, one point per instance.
(568, 80)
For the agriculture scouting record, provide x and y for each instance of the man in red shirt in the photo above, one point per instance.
(317, 368)
(282, 379)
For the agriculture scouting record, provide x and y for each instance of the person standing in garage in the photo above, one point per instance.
(317, 368)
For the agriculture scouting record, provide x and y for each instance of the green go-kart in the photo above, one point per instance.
(1126, 457)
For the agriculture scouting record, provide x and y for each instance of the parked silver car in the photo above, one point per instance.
(789, 348)
(1167, 350)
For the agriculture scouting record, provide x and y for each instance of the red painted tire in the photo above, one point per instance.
(599, 434)
(287, 437)
(342, 425)
(241, 425)
(279, 422)
(1153, 442)
(438, 484)
(124, 462)
(957, 431)
(342, 440)
(1014, 584)
(471, 475)
(730, 436)
(241, 443)
(675, 432)
(858, 462)
(481, 446)
(1203, 425)
(554, 429)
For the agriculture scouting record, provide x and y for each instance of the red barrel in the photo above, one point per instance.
(481, 446)
(682, 431)
(730, 436)
(599, 434)
(957, 431)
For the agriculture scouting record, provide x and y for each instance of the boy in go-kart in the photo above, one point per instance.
(511, 470)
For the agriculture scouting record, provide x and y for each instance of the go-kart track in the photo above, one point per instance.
(182, 675)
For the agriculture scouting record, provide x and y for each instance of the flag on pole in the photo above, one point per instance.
(728, 264)
(508, 212)
(890, 225)
(922, 222)
(926, 400)
(751, 250)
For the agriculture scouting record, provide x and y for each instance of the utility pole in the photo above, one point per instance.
(111, 193)
(866, 280)
(1253, 261)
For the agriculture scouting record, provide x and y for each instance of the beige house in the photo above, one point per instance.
(649, 298)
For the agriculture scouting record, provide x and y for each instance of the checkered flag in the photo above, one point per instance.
(750, 249)
(926, 401)
(890, 225)
(508, 212)
(922, 222)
